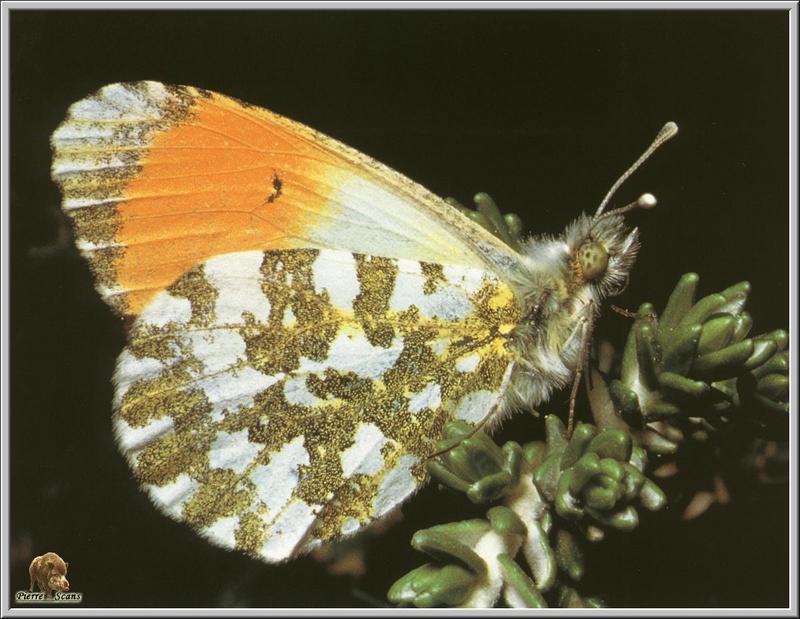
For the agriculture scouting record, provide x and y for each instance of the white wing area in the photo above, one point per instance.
(275, 401)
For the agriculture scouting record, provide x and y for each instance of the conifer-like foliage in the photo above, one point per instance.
(690, 382)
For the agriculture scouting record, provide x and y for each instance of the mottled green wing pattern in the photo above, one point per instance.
(278, 400)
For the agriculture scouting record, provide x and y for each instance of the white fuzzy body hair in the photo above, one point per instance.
(557, 301)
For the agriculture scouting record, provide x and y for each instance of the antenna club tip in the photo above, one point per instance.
(646, 200)
(671, 128)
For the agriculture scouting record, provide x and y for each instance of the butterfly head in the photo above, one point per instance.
(601, 250)
(572, 273)
(565, 281)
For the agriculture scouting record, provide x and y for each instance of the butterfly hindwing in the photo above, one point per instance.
(158, 179)
(281, 399)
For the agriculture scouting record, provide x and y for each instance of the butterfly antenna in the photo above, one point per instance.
(645, 201)
(667, 131)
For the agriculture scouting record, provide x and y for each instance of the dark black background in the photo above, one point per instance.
(541, 109)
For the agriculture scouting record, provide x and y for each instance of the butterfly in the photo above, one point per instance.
(305, 320)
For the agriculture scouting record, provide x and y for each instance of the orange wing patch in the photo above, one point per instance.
(224, 180)
(190, 176)
(158, 179)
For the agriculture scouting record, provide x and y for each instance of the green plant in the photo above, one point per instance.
(690, 384)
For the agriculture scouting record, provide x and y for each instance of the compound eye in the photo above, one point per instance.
(593, 260)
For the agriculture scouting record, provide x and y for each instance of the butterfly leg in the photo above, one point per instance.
(472, 432)
(636, 315)
(586, 344)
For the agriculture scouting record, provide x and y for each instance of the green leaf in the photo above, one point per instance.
(540, 556)
(497, 224)
(633, 481)
(778, 364)
(610, 443)
(581, 437)
(681, 388)
(624, 520)
(567, 505)
(444, 547)
(736, 296)
(660, 409)
(505, 522)
(521, 592)
(744, 322)
(514, 226)
(512, 460)
(680, 301)
(651, 497)
(647, 355)
(460, 462)
(546, 476)
(704, 308)
(601, 499)
(457, 429)
(612, 469)
(555, 433)
(569, 555)
(583, 472)
(638, 458)
(428, 586)
(626, 400)
(534, 452)
(680, 350)
(723, 363)
(774, 386)
(659, 444)
(443, 475)
(763, 350)
(486, 456)
(489, 488)
(717, 333)
(780, 337)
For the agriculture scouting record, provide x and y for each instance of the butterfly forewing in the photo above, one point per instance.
(158, 179)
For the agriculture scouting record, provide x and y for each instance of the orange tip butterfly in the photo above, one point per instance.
(306, 320)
